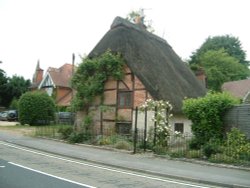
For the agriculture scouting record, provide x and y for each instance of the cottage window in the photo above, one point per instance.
(179, 127)
(124, 99)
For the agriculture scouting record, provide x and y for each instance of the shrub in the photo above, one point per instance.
(210, 148)
(178, 154)
(206, 115)
(221, 158)
(65, 132)
(193, 154)
(123, 145)
(104, 140)
(36, 108)
(160, 150)
(237, 145)
(195, 144)
(75, 137)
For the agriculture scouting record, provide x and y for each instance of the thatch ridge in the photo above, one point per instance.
(153, 61)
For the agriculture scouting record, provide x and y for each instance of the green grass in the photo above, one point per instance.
(50, 131)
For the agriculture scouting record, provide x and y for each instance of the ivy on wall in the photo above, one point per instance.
(91, 75)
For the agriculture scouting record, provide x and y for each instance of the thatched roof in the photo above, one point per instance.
(153, 61)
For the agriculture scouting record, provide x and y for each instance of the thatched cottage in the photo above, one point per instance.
(153, 70)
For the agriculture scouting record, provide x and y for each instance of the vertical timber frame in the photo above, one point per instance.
(122, 114)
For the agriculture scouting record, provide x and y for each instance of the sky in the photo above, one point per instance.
(51, 30)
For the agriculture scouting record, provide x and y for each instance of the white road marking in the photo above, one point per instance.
(2, 166)
(57, 177)
(101, 167)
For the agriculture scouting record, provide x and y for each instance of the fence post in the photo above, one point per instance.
(101, 123)
(145, 130)
(155, 124)
(135, 131)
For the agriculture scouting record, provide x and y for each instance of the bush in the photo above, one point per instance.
(65, 132)
(210, 148)
(221, 158)
(195, 144)
(123, 145)
(104, 140)
(36, 108)
(194, 154)
(206, 115)
(237, 145)
(178, 154)
(160, 150)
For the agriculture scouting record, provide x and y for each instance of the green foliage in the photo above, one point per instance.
(14, 88)
(222, 59)
(161, 150)
(193, 154)
(36, 108)
(3, 83)
(230, 44)
(65, 132)
(237, 145)
(220, 67)
(195, 144)
(133, 15)
(222, 158)
(14, 104)
(206, 115)
(76, 137)
(91, 75)
(212, 147)
(123, 144)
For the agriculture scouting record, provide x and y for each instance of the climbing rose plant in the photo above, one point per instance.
(161, 118)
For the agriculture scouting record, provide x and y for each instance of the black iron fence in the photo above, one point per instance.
(138, 141)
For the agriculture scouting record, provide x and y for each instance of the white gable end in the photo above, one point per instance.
(47, 84)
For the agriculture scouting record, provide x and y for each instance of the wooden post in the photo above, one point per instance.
(101, 123)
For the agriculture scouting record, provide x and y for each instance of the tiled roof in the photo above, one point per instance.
(238, 88)
(61, 76)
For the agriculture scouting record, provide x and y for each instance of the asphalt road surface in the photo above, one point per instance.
(18, 176)
(21, 167)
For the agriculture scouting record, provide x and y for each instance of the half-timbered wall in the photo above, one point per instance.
(120, 99)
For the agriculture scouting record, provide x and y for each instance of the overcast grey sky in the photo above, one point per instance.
(51, 30)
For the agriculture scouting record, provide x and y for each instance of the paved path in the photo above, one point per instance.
(8, 123)
(203, 173)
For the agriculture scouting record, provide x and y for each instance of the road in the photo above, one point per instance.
(18, 176)
(23, 168)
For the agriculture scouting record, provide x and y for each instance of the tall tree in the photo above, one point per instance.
(12, 88)
(230, 44)
(3, 82)
(220, 67)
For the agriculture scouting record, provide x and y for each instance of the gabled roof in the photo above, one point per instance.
(153, 61)
(240, 88)
(59, 76)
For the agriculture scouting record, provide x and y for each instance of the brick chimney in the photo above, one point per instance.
(139, 19)
(201, 76)
(38, 76)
